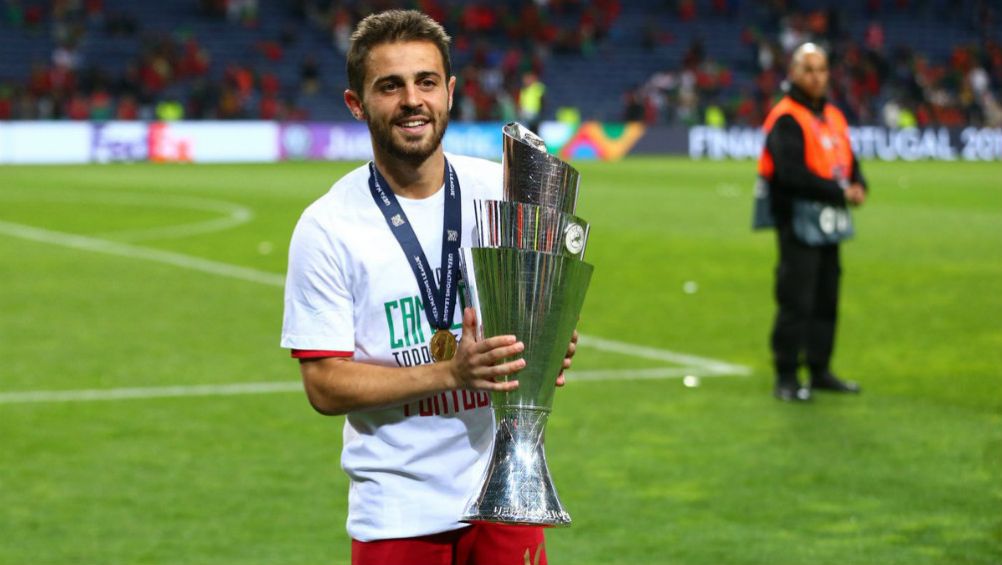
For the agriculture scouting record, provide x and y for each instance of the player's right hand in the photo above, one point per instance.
(476, 363)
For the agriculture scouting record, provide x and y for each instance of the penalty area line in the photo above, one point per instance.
(129, 251)
(682, 364)
(91, 395)
(702, 366)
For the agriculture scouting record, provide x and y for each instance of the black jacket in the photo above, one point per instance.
(791, 177)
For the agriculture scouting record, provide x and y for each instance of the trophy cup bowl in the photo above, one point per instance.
(525, 276)
(536, 296)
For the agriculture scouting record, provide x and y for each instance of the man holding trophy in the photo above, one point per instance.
(371, 309)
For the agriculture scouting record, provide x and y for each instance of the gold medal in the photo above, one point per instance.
(443, 345)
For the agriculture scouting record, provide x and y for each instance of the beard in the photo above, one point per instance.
(413, 152)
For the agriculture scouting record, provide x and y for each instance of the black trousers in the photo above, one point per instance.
(807, 288)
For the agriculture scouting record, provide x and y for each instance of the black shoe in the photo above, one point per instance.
(830, 382)
(791, 392)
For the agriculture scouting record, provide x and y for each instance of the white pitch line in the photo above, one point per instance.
(234, 218)
(97, 245)
(655, 373)
(711, 365)
(233, 214)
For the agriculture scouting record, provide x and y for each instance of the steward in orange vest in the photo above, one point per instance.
(807, 154)
(809, 173)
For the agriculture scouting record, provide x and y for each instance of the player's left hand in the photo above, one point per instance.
(572, 347)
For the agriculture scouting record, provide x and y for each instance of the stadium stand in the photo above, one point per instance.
(894, 62)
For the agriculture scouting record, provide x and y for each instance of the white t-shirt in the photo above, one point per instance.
(351, 291)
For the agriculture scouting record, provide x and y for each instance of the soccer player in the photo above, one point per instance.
(808, 159)
(370, 311)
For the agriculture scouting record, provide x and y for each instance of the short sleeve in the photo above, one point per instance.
(318, 300)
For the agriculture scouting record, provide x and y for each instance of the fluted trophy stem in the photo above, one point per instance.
(518, 452)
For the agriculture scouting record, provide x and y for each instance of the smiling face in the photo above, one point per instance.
(405, 99)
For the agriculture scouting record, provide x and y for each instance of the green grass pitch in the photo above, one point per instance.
(651, 471)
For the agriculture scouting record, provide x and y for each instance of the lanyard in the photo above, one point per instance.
(439, 300)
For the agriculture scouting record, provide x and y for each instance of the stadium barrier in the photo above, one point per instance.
(868, 142)
(256, 141)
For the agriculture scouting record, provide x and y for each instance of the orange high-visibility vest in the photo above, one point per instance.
(827, 150)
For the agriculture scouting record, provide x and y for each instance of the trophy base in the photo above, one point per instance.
(518, 489)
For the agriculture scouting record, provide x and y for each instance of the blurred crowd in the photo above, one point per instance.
(874, 82)
(167, 78)
(173, 75)
(496, 45)
(500, 51)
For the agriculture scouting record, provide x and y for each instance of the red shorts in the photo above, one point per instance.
(481, 544)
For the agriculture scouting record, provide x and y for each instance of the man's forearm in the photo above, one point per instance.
(337, 386)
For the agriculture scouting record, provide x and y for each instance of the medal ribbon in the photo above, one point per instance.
(439, 300)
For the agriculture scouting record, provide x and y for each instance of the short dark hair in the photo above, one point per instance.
(389, 27)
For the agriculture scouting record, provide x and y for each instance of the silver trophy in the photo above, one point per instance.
(525, 276)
